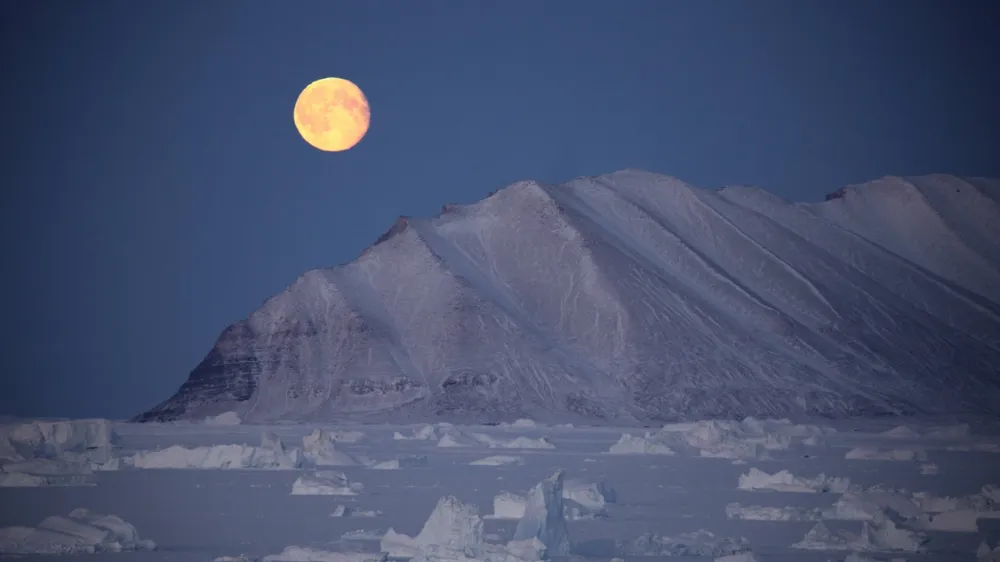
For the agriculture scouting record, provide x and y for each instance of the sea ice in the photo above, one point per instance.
(498, 460)
(271, 454)
(873, 454)
(319, 450)
(646, 445)
(81, 532)
(696, 544)
(404, 461)
(785, 481)
(541, 532)
(769, 513)
(325, 483)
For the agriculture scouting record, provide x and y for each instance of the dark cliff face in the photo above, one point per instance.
(228, 374)
(631, 297)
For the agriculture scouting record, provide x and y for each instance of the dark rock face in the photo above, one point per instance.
(634, 296)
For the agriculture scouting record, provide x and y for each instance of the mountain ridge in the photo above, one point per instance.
(633, 296)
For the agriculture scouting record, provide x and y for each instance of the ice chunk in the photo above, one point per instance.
(81, 532)
(509, 506)
(452, 526)
(318, 449)
(767, 513)
(272, 456)
(864, 505)
(305, 554)
(521, 443)
(784, 481)
(881, 533)
(498, 460)
(425, 433)
(405, 461)
(698, 543)
(591, 496)
(46, 472)
(541, 532)
(900, 432)
(347, 511)
(225, 418)
(872, 454)
(88, 439)
(455, 437)
(633, 445)
(325, 483)
(523, 422)
(741, 557)
(821, 538)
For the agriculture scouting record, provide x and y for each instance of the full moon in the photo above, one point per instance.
(332, 114)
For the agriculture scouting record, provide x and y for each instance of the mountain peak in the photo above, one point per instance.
(633, 296)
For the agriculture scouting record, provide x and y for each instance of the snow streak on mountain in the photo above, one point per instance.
(636, 297)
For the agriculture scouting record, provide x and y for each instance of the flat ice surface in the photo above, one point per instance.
(660, 501)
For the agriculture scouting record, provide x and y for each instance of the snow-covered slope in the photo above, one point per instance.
(634, 296)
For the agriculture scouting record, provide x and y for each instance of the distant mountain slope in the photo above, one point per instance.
(636, 297)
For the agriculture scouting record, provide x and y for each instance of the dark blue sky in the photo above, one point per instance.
(155, 189)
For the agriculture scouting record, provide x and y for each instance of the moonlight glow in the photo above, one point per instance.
(332, 114)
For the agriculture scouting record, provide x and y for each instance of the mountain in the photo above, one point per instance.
(635, 297)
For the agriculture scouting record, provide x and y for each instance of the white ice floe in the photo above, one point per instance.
(81, 532)
(919, 511)
(325, 483)
(900, 432)
(87, 440)
(696, 544)
(747, 439)
(318, 450)
(741, 557)
(452, 525)
(581, 500)
(509, 506)
(225, 418)
(271, 454)
(46, 472)
(454, 437)
(454, 531)
(424, 433)
(347, 511)
(785, 481)
(499, 460)
(648, 444)
(874, 454)
(405, 461)
(521, 443)
(928, 469)
(879, 534)
(769, 513)
(541, 533)
(587, 500)
(305, 554)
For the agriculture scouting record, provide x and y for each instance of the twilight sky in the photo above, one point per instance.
(155, 189)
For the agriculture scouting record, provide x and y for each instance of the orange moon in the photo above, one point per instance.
(332, 114)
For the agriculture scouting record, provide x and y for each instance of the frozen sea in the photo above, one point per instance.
(197, 514)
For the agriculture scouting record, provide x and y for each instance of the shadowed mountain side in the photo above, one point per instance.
(635, 297)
